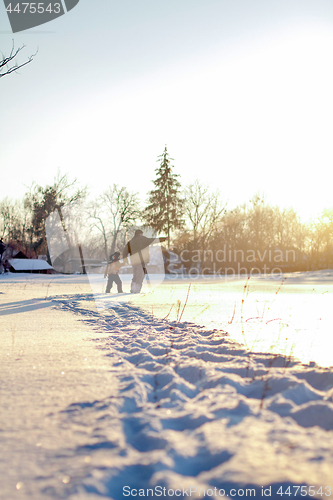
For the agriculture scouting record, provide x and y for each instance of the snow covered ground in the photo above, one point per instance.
(103, 398)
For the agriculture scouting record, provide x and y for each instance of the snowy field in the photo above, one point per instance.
(197, 388)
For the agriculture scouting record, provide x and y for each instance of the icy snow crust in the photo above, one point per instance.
(95, 400)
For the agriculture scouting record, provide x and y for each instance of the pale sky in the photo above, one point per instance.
(239, 90)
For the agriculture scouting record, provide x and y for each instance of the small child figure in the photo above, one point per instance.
(112, 272)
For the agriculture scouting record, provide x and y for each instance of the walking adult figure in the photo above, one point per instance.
(138, 249)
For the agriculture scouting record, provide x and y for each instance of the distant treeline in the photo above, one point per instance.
(202, 230)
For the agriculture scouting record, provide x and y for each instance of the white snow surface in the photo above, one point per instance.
(97, 399)
(29, 264)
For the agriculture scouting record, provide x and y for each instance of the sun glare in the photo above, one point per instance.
(247, 117)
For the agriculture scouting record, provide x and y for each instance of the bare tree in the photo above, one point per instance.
(15, 220)
(203, 210)
(285, 222)
(322, 239)
(99, 221)
(233, 230)
(114, 211)
(8, 218)
(123, 207)
(8, 64)
(260, 222)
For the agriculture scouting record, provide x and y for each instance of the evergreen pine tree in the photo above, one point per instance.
(164, 211)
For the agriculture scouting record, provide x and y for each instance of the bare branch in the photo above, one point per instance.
(7, 63)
